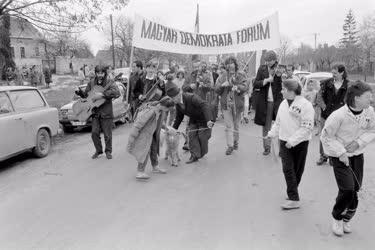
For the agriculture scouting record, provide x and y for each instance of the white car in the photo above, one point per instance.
(69, 121)
(26, 122)
(301, 74)
(316, 77)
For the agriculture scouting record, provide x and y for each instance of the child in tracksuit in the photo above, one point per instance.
(346, 133)
(294, 125)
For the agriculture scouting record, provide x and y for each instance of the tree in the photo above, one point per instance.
(367, 41)
(5, 51)
(56, 15)
(349, 42)
(285, 48)
(123, 34)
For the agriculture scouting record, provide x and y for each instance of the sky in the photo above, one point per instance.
(298, 19)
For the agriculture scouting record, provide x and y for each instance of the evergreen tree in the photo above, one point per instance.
(350, 37)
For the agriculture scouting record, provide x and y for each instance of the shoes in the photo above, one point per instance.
(142, 176)
(229, 151)
(192, 160)
(158, 170)
(235, 145)
(321, 161)
(289, 204)
(108, 155)
(337, 227)
(266, 152)
(96, 155)
(346, 227)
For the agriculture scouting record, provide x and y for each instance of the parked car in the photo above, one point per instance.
(26, 122)
(69, 121)
(300, 74)
(316, 77)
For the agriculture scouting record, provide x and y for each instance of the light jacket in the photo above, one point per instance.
(145, 129)
(294, 124)
(343, 127)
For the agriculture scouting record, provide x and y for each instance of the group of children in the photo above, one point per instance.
(347, 131)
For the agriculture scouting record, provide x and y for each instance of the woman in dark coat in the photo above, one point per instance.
(267, 86)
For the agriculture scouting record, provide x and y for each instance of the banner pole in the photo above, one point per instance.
(130, 69)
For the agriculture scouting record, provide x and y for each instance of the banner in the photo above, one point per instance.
(154, 36)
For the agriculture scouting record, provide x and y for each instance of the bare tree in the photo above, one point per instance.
(367, 41)
(285, 48)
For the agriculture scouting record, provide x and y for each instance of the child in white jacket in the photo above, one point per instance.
(294, 125)
(346, 133)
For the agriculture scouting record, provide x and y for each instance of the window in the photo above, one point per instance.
(24, 100)
(37, 51)
(22, 50)
(12, 51)
(5, 105)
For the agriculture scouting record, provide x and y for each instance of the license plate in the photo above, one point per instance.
(78, 123)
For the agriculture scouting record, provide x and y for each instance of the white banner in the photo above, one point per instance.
(259, 36)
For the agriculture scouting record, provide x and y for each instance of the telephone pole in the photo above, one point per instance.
(315, 35)
(113, 44)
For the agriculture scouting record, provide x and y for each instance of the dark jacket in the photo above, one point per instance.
(136, 85)
(331, 99)
(197, 109)
(204, 85)
(261, 95)
(111, 92)
(238, 80)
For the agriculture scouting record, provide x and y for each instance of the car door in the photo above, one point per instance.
(30, 104)
(12, 128)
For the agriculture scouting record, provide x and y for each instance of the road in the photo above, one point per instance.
(69, 201)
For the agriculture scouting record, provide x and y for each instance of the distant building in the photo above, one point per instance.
(26, 46)
(104, 57)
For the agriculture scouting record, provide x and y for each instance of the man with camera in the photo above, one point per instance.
(267, 85)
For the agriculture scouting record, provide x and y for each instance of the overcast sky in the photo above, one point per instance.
(298, 19)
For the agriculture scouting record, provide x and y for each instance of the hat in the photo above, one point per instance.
(270, 55)
(171, 89)
(167, 101)
(291, 84)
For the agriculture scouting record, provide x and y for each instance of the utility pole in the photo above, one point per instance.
(113, 44)
(315, 35)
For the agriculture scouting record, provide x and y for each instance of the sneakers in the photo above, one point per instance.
(289, 204)
(108, 155)
(337, 227)
(158, 170)
(346, 227)
(96, 155)
(192, 159)
(142, 176)
(266, 152)
(229, 151)
(321, 161)
(235, 145)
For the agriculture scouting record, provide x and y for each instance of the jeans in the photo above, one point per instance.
(99, 124)
(349, 185)
(232, 121)
(267, 126)
(198, 139)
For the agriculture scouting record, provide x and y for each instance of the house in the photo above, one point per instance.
(26, 46)
(104, 57)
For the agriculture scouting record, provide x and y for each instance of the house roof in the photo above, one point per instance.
(106, 55)
(21, 28)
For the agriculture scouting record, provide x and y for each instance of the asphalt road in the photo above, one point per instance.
(69, 201)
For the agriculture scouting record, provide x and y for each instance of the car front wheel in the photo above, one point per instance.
(43, 143)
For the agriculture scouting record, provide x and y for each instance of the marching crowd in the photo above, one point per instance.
(284, 108)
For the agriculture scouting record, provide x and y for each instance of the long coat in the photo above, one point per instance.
(261, 95)
(332, 100)
(146, 128)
